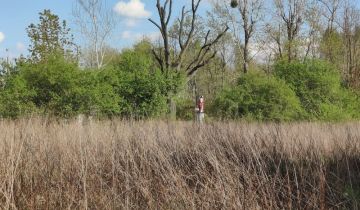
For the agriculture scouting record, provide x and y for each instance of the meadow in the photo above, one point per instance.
(49, 164)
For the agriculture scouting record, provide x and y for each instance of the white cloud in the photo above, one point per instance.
(132, 9)
(2, 37)
(20, 47)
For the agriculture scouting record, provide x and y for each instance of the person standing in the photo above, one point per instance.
(200, 109)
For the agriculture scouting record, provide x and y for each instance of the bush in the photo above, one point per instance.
(258, 97)
(142, 87)
(318, 86)
(16, 98)
(96, 95)
(53, 83)
(142, 94)
(185, 108)
(132, 87)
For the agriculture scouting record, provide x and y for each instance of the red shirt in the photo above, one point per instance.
(201, 106)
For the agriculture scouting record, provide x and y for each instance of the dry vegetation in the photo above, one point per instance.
(177, 165)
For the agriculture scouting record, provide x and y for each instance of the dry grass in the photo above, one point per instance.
(177, 165)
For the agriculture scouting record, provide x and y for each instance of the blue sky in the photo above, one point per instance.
(16, 15)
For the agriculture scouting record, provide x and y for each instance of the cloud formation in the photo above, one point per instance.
(132, 9)
(2, 37)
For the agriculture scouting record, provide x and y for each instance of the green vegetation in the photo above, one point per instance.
(131, 88)
(258, 96)
(94, 125)
(318, 86)
(135, 84)
(309, 90)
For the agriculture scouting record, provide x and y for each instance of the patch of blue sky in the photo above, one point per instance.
(16, 15)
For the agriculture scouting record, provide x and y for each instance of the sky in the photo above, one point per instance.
(132, 15)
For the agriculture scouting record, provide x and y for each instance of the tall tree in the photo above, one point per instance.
(291, 13)
(350, 28)
(330, 9)
(275, 39)
(230, 46)
(243, 17)
(96, 23)
(250, 13)
(311, 37)
(331, 43)
(175, 62)
(50, 36)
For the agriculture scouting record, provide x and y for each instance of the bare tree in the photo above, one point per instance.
(291, 13)
(350, 26)
(96, 23)
(251, 13)
(313, 31)
(220, 15)
(330, 9)
(243, 17)
(168, 61)
(275, 39)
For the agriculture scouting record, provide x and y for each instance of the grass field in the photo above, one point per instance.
(178, 165)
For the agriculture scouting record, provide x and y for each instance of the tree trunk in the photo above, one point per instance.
(246, 56)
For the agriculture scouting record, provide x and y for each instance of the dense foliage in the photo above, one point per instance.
(131, 88)
(310, 90)
(318, 86)
(260, 97)
(132, 84)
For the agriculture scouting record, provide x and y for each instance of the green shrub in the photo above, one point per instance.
(16, 99)
(142, 87)
(185, 108)
(258, 97)
(318, 86)
(142, 94)
(53, 83)
(133, 87)
(95, 94)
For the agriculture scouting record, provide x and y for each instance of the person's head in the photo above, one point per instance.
(201, 98)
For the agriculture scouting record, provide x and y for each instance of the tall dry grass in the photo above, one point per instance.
(178, 165)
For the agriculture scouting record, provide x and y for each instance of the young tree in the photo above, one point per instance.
(330, 10)
(251, 13)
(244, 18)
(291, 13)
(50, 36)
(222, 14)
(96, 23)
(350, 28)
(275, 39)
(331, 40)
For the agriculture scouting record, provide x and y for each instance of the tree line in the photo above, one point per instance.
(281, 60)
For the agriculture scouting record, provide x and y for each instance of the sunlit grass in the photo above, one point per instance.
(178, 165)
